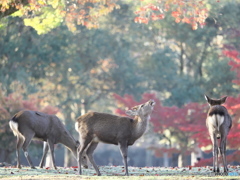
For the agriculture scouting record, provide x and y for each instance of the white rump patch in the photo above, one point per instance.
(216, 120)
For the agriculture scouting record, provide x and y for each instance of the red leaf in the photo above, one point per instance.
(74, 167)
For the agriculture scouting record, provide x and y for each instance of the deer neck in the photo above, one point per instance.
(141, 125)
(68, 141)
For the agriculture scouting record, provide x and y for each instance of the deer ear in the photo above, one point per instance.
(207, 98)
(223, 99)
(131, 113)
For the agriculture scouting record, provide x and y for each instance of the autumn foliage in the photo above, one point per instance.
(79, 12)
(88, 12)
(190, 12)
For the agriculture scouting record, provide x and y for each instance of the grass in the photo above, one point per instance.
(117, 172)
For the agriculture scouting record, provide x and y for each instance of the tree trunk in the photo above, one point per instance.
(165, 160)
(149, 161)
(182, 159)
(67, 153)
(69, 159)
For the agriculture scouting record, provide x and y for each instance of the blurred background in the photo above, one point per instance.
(59, 66)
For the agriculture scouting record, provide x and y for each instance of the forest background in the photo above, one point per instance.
(70, 57)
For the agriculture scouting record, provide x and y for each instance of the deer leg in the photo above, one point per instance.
(45, 151)
(89, 152)
(215, 154)
(84, 143)
(124, 149)
(51, 147)
(223, 154)
(19, 145)
(25, 146)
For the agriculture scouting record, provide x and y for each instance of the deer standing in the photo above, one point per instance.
(95, 127)
(27, 125)
(219, 124)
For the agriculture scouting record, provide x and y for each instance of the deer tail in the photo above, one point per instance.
(218, 122)
(14, 126)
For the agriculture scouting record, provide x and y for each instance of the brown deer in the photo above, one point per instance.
(95, 127)
(219, 124)
(27, 125)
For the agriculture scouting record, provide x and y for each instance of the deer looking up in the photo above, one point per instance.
(219, 124)
(95, 127)
(27, 125)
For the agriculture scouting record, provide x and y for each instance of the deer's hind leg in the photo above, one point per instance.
(84, 142)
(20, 141)
(222, 150)
(89, 153)
(215, 154)
(25, 145)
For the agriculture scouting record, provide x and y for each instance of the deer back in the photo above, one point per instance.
(43, 125)
(105, 127)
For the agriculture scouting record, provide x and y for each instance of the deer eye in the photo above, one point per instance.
(134, 108)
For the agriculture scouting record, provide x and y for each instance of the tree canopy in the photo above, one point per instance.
(88, 12)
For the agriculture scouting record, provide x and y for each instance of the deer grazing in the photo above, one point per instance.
(219, 124)
(27, 125)
(94, 127)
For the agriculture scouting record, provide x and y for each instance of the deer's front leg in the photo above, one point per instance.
(45, 151)
(51, 147)
(124, 149)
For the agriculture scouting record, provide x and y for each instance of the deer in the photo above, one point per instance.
(95, 127)
(219, 123)
(27, 125)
